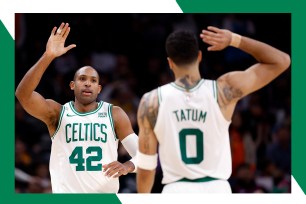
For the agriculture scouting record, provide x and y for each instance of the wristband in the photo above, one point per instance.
(133, 160)
(235, 41)
(145, 161)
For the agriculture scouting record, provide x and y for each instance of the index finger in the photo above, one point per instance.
(109, 165)
(215, 29)
(53, 31)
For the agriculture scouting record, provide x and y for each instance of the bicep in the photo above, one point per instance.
(123, 126)
(258, 76)
(40, 108)
(238, 84)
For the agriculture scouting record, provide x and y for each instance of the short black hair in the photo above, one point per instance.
(77, 71)
(182, 47)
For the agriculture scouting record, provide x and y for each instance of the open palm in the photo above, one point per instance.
(218, 39)
(56, 43)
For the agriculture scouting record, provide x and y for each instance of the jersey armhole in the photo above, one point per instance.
(59, 122)
(159, 95)
(215, 90)
(110, 108)
(212, 87)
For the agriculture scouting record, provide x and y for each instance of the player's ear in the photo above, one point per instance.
(72, 85)
(170, 62)
(100, 89)
(199, 56)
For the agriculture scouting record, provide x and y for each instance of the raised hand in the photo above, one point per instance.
(56, 43)
(218, 39)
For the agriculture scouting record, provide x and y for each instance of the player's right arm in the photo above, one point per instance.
(34, 103)
(147, 148)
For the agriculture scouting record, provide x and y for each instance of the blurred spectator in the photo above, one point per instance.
(236, 142)
(279, 151)
(244, 181)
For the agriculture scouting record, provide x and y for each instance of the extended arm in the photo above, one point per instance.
(233, 86)
(34, 103)
(147, 155)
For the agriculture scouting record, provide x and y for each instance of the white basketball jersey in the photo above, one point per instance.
(82, 143)
(192, 133)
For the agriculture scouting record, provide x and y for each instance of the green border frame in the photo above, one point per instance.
(7, 125)
(298, 66)
(296, 7)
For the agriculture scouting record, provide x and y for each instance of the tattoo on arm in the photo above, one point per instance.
(149, 108)
(231, 93)
(147, 116)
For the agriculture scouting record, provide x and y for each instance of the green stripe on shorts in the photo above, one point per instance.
(204, 179)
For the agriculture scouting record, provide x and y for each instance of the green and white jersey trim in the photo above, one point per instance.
(210, 84)
(100, 104)
(59, 122)
(189, 90)
(110, 108)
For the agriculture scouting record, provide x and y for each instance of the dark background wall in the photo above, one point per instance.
(128, 51)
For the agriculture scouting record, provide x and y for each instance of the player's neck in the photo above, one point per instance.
(81, 108)
(187, 78)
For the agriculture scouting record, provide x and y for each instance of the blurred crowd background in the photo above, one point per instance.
(128, 51)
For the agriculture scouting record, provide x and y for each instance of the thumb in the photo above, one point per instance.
(70, 47)
(210, 48)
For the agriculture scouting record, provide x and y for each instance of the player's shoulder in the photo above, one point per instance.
(117, 110)
(149, 100)
(155, 92)
(118, 115)
(148, 96)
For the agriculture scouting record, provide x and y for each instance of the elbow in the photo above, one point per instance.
(19, 95)
(285, 62)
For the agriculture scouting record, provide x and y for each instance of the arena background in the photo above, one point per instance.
(128, 50)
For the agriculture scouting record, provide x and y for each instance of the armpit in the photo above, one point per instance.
(231, 93)
(227, 92)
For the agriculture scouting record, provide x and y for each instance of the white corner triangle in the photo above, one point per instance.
(8, 21)
(296, 189)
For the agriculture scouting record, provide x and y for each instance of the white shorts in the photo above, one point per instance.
(215, 186)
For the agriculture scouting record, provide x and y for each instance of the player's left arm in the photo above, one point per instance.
(233, 86)
(147, 150)
(271, 62)
(129, 140)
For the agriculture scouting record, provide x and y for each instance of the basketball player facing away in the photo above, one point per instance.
(188, 120)
(84, 132)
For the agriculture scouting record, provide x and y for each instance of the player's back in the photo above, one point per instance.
(192, 133)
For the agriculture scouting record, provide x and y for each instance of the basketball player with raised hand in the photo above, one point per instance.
(188, 120)
(84, 132)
